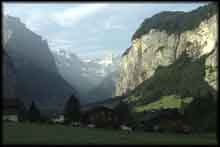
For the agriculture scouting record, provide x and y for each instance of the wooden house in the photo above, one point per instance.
(10, 106)
(100, 116)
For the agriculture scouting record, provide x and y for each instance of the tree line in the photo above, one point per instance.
(72, 112)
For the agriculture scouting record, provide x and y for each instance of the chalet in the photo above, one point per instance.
(101, 114)
(10, 106)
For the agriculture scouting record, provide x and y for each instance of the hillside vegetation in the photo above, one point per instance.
(176, 22)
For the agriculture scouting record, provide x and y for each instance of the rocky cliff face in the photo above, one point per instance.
(172, 63)
(9, 77)
(22, 42)
(9, 73)
(161, 47)
(34, 68)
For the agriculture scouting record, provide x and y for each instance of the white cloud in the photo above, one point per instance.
(63, 41)
(32, 21)
(110, 24)
(56, 44)
(71, 16)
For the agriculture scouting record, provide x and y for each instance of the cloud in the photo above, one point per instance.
(32, 21)
(71, 16)
(111, 24)
(63, 41)
(96, 23)
(56, 44)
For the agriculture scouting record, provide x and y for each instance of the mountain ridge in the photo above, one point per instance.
(37, 77)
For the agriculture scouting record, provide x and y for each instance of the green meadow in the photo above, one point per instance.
(26, 133)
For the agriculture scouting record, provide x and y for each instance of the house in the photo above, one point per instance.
(10, 106)
(58, 119)
(104, 115)
(100, 116)
(101, 113)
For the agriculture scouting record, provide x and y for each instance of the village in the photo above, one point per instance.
(113, 113)
(103, 74)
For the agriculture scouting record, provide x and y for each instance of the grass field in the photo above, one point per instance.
(26, 133)
(171, 101)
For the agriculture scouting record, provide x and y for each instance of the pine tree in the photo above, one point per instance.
(123, 112)
(22, 111)
(72, 110)
(34, 113)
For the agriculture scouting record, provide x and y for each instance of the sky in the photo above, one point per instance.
(90, 30)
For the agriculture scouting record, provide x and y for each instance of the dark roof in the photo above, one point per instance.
(109, 103)
(109, 106)
(99, 108)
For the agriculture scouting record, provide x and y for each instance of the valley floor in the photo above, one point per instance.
(26, 133)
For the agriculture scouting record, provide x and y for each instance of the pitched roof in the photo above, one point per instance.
(109, 103)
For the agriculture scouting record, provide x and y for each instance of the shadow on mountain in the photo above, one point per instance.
(185, 78)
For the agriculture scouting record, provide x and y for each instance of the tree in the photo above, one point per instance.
(34, 113)
(22, 111)
(123, 112)
(72, 110)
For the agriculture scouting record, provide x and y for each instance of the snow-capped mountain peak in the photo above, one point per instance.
(90, 68)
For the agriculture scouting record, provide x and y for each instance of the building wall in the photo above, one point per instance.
(101, 117)
(11, 117)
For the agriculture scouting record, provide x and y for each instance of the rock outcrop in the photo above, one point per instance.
(8, 77)
(161, 45)
(172, 63)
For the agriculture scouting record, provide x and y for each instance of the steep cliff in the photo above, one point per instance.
(8, 77)
(172, 63)
(163, 38)
(8, 68)
(36, 74)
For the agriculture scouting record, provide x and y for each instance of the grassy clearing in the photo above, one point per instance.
(171, 101)
(25, 133)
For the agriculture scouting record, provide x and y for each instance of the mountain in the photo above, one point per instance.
(37, 77)
(106, 88)
(71, 68)
(172, 62)
(8, 77)
(8, 69)
(87, 74)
